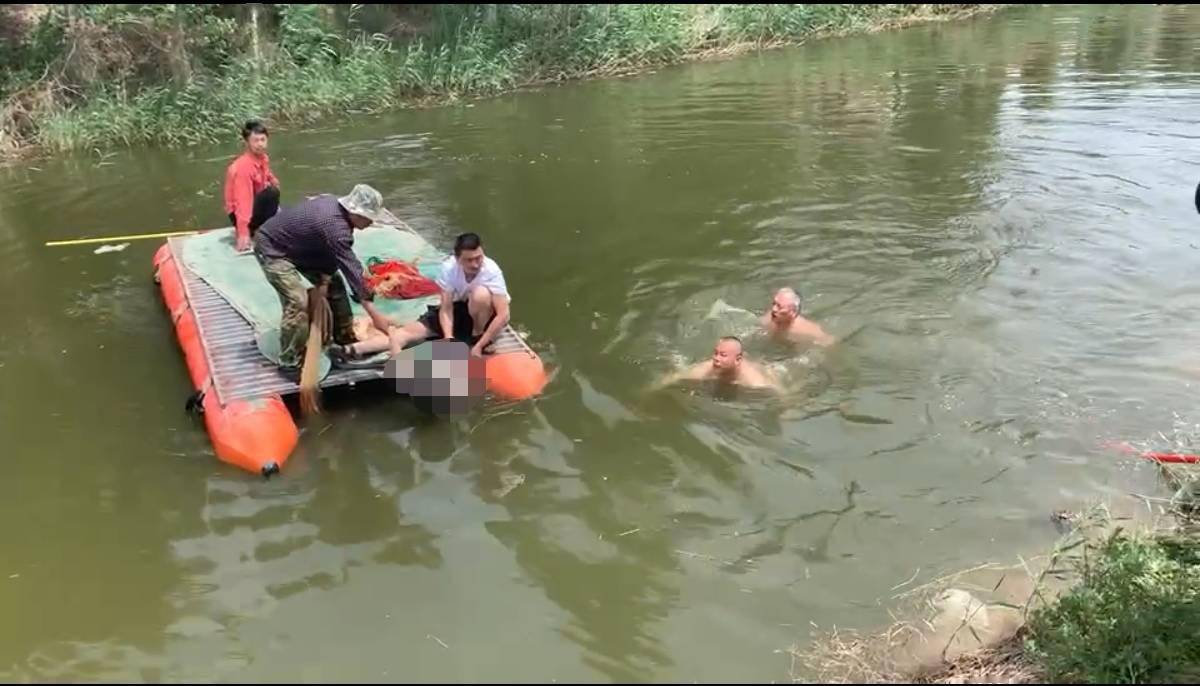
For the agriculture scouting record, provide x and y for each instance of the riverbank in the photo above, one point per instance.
(1116, 601)
(103, 76)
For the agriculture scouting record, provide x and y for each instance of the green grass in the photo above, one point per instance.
(466, 50)
(209, 107)
(1133, 618)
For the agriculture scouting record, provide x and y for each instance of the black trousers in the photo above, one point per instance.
(464, 325)
(266, 204)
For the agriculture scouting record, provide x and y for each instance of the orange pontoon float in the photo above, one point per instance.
(240, 392)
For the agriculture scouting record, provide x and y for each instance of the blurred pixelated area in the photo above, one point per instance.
(441, 376)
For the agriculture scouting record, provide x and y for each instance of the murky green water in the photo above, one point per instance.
(999, 211)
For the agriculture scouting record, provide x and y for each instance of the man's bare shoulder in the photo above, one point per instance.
(700, 370)
(755, 375)
(808, 329)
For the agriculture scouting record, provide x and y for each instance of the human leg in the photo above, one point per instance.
(293, 298)
(481, 309)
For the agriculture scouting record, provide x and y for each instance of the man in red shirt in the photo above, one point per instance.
(251, 190)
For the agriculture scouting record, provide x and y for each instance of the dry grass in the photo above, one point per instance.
(851, 658)
(858, 660)
(915, 651)
(1006, 663)
(1184, 481)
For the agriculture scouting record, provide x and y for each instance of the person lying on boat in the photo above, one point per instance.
(315, 238)
(251, 189)
(783, 320)
(474, 307)
(726, 366)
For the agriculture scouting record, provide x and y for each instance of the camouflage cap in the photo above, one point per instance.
(367, 202)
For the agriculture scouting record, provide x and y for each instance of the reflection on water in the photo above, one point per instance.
(994, 217)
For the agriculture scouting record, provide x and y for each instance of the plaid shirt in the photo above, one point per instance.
(317, 236)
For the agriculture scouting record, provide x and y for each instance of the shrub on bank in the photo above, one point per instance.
(91, 76)
(1133, 618)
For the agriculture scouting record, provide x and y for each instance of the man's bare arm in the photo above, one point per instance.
(694, 373)
(823, 339)
(446, 315)
(758, 377)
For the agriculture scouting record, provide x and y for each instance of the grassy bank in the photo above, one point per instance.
(97, 76)
(1118, 601)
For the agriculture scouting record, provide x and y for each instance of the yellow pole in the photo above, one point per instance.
(132, 237)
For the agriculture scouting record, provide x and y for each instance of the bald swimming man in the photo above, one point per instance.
(784, 320)
(726, 366)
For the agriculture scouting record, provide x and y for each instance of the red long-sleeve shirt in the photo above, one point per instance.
(245, 177)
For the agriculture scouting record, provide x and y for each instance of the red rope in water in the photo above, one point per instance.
(1153, 456)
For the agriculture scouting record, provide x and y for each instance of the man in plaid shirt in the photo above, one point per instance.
(312, 239)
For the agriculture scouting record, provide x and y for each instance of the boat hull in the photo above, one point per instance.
(257, 435)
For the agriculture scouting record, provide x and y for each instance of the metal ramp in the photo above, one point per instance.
(238, 370)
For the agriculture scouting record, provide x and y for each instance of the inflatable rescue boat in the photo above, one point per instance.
(240, 392)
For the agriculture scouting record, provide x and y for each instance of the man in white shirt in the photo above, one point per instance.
(473, 308)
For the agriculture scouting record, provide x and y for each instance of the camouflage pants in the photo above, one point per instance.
(293, 296)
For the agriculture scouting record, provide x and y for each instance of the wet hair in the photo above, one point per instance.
(733, 339)
(254, 126)
(467, 241)
(795, 297)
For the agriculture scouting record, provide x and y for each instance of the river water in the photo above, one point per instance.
(995, 216)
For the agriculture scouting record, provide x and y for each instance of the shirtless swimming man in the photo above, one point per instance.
(727, 366)
(784, 320)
